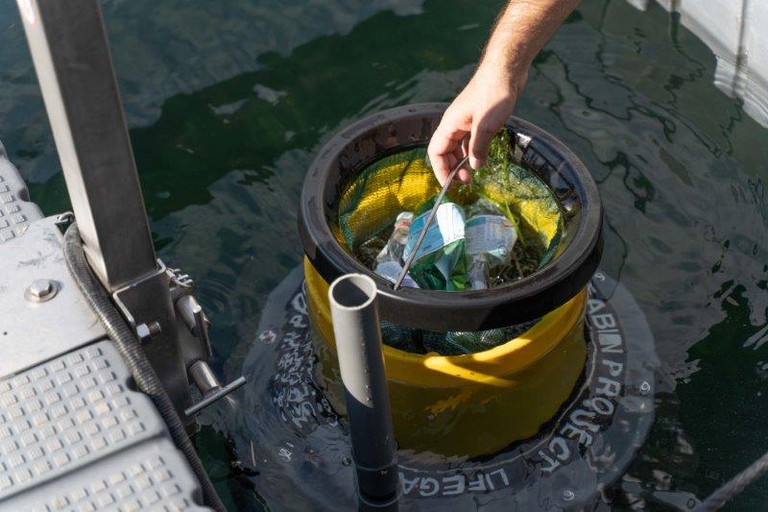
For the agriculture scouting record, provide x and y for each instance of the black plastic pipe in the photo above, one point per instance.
(361, 362)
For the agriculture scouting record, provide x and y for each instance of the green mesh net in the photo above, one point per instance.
(404, 182)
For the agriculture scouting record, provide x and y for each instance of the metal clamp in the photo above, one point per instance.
(196, 345)
(146, 303)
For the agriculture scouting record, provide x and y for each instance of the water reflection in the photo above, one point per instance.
(229, 102)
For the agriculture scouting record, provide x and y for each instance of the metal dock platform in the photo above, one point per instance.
(74, 432)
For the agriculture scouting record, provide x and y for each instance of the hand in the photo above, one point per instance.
(474, 117)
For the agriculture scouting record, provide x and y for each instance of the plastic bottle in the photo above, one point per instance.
(439, 263)
(393, 251)
(388, 262)
(391, 271)
(490, 237)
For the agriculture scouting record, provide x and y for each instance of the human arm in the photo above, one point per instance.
(480, 110)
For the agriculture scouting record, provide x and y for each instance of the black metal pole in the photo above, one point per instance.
(361, 362)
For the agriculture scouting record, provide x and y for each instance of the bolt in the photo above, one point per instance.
(145, 332)
(568, 495)
(155, 328)
(645, 388)
(41, 290)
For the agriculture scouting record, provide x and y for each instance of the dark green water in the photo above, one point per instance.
(228, 101)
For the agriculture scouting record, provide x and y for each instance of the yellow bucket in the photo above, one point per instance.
(470, 404)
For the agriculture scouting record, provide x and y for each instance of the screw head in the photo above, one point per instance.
(41, 290)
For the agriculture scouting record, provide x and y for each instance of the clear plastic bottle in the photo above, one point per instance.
(490, 237)
(393, 251)
(389, 261)
(391, 271)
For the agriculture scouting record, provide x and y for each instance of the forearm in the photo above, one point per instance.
(487, 101)
(521, 31)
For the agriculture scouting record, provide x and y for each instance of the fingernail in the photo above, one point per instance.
(476, 163)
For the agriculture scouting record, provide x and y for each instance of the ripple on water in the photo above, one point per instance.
(680, 167)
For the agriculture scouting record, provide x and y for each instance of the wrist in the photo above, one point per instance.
(511, 48)
(511, 73)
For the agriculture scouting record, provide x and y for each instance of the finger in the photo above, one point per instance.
(452, 161)
(461, 149)
(441, 167)
(453, 128)
(441, 147)
(480, 142)
(465, 173)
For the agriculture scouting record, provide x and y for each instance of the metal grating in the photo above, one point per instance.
(147, 479)
(15, 211)
(63, 423)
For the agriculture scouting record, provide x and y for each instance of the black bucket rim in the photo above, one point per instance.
(472, 310)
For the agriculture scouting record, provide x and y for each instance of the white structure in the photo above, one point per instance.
(736, 32)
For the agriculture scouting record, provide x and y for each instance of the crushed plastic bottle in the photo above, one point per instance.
(388, 262)
(440, 263)
(490, 237)
(393, 251)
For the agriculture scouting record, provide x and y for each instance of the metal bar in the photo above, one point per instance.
(361, 362)
(209, 386)
(430, 218)
(71, 55)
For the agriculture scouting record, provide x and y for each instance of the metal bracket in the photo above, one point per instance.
(146, 304)
(162, 309)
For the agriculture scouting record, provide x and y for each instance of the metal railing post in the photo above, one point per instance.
(72, 60)
(71, 55)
